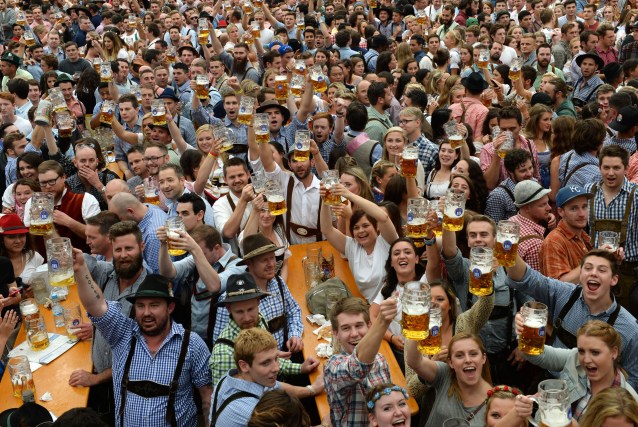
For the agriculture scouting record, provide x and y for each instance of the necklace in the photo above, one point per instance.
(472, 414)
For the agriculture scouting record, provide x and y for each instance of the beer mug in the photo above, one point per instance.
(40, 288)
(330, 179)
(225, 135)
(37, 335)
(66, 124)
(248, 7)
(21, 375)
(610, 238)
(484, 58)
(415, 316)
(158, 110)
(300, 67)
(258, 179)
(151, 192)
(417, 220)
(299, 19)
(21, 19)
(202, 86)
(532, 338)
(255, 29)
(261, 124)
(228, 6)
(41, 214)
(421, 17)
(246, 107)
(434, 206)
(97, 64)
(313, 252)
(57, 99)
(72, 321)
(328, 266)
(60, 260)
(281, 88)
(203, 31)
(553, 404)
(515, 69)
(132, 20)
(507, 145)
(297, 84)
(409, 161)
(302, 145)
(481, 274)
(173, 226)
(507, 235)
(43, 113)
(106, 75)
(275, 198)
(137, 91)
(107, 112)
(454, 210)
(372, 3)
(453, 135)
(29, 37)
(29, 309)
(312, 272)
(171, 53)
(495, 132)
(433, 343)
(318, 79)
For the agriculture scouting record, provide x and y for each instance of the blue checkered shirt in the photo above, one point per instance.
(286, 135)
(555, 294)
(586, 92)
(499, 204)
(121, 146)
(160, 368)
(270, 307)
(628, 144)
(154, 218)
(427, 152)
(616, 210)
(589, 173)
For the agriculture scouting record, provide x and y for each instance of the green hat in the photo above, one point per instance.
(153, 286)
(63, 78)
(12, 59)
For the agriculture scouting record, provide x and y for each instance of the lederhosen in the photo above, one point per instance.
(300, 230)
(626, 279)
(217, 412)
(566, 337)
(151, 389)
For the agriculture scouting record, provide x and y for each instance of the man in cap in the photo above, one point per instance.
(472, 109)
(280, 310)
(585, 87)
(534, 213)
(10, 67)
(242, 302)
(178, 357)
(564, 247)
(186, 127)
(626, 124)
(630, 50)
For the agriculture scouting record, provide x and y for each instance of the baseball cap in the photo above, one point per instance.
(570, 192)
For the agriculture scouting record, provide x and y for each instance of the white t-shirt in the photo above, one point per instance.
(508, 55)
(395, 326)
(368, 270)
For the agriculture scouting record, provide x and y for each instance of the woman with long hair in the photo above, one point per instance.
(611, 407)
(462, 183)
(403, 54)
(27, 168)
(466, 53)
(386, 61)
(23, 189)
(438, 180)
(278, 408)
(113, 47)
(490, 122)
(473, 170)
(358, 70)
(17, 245)
(380, 174)
(445, 100)
(354, 179)
(461, 384)
(395, 140)
(47, 81)
(453, 41)
(233, 36)
(410, 66)
(501, 410)
(322, 56)
(404, 80)
(539, 129)
(86, 88)
(93, 47)
(388, 406)
(563, 131)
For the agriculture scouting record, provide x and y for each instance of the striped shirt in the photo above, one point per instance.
(154, 218)
(584, 89)
(628, 144)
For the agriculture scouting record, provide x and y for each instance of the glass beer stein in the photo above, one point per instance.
(507, 145)
(281, 88)
(261, 125)
(553, 404)
(72, 321)
(29, 309)
(409, 161)
(107, 112)
(417, 220)
(37, 335)
(454, 210)
(330, 179)
(246, 108)
(434, 206)
(60, 260)
(275, 198)
(173, 226)
(507, 236)
(57, 99)
(454, 137)
(532, 338)
(415, 315)
(21, 375)
(318, 79)
(41, 214)
(296, 85)
(151, 192)
(106, 75)
(158, 110)
(481, 271)
(433, 343)
(66, 124)
(302, 145)
(202, 86)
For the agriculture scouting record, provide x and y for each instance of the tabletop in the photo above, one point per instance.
(310, 340)
(54, 377)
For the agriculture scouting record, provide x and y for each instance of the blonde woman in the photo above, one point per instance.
(453, 40)
(403, 54)
(395, 140)
(612, 407)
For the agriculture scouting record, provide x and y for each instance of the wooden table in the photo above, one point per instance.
(114, 167)
(296, 283)
(54, 377)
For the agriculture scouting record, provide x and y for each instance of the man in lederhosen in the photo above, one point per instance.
(156, 362)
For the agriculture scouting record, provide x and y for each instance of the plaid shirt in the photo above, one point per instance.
(589, 173)
(628, 51)
(347, 382)
(270, 307)
(487, 152)
(500, 204)
(119, 330)
(530, 249)
(628, 144)
(562, 251)
(428, 151)
(616, 211)
(584, 89)
(154, 218)
(222, 358)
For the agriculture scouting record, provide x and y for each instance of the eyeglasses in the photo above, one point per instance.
(152, 159)
(84, 145)
(49, 183)
(405, 122)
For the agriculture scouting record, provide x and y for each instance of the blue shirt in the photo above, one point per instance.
(154, 218)
(209, 218)
(121, 146)
(500, 204)
(584, 175)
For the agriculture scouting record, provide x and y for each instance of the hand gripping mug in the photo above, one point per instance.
(481, 273)
(532, 339)
(41, 213)
(507, 236)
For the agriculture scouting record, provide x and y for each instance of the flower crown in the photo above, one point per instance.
(385, 392)
(507, 388)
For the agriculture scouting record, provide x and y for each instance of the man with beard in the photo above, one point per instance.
(148, 218)
(496, 50)
(558, 91)
(447, 21)
(237, 63)
(380, 97)
(542, 67)
(586, 86)
(156, 363)
(218, 71)
(97, 235)
(118, 279)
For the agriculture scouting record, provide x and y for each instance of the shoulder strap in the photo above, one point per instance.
(570, 303)
(172, 392)
(230, 201)
(289, 203)
(231, 399)
(280, 285)
(374, 119)
(614, 315)
(225, 341)
(530, 237)
(508, 191)
(124, 386)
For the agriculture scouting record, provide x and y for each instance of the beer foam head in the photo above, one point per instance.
(534, 322)
(416, 221)
(275, 198)
(414, 309)
(409, 155)
(172, 234)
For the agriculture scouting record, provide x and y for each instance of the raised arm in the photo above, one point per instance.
(217, 46)
(166, 267)
(334, 236)
(206, 169)
(129, 137)
(181, 144)
(516, 272)
(368, 347)
(320, 163)
(422, 366)
(305, 108)
(89, 291)
(253, 147)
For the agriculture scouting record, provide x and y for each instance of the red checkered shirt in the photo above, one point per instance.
(530, 249)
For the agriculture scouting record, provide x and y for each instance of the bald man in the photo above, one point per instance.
(148, 217)
(115, 186)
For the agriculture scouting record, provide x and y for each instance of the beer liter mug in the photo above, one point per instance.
(66, 124)
(107, 112)
(262, 128)
(434, 206)
(481, 273)
(158, 110)
(296, 85)
(433, 343)
(302, 145)
(106, 75)
(246, 107)
(507, 145)
(507, 235)
(532, 339)
(318, 79)
(173, 226)
(415, 316)
(57, 99)
(225, 135)
(21, 375)
(553, 404)
(417, 220)
(258, 180)
(453, 210)
(610, 238)
(41, 213)
(281, 88)
(202, 86)
(453, 135)
(60, 260)
(72, 321)
(97, 64)
(409, 161)
(484, 58)
(203, 31)
(330, 179)
(515, 69)
(37, 335)
(151, 192)
(275, 198)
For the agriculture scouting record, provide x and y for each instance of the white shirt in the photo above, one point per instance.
(508, 55)
(222, 212)
(368, 270)
(90, 207)
(24, 126)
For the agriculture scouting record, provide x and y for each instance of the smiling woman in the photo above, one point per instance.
(388, 406)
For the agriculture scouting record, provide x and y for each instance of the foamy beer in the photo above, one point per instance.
(158, 111)
(57, 99)
(225, 135)
(553, 403)
(507, 235)
(415, 316)
(481, 273)
(151, 192)
(72, 321)
(21, 18)
(515, 69)
(454, 210)
(433, 343)
(296, 85)
(275, 198)
(300, 67)
(97, 64)
(171, 53)
(434, 206)
(66, 124)
(41, 214)
(301, 23)
(318, 79)
(484, 58)
(107, 112)
(261, 125)
(330, 179)
(37, 335)
(532, 338)
(281, 88)
(409, 161)
(106, 75)
(255, 30)
(29, 38)
(246, 107)
(417, 220)
(421, 17)
(228, 7)
(60, 261)
(203, 31)
(507, 145)
(302, 145)
(173, 226)
(248, 7)
(454, 137)
(202, 86)
(259, 3)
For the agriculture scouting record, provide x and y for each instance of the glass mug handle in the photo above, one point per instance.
(531, 420)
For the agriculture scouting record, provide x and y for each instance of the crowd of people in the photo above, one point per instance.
(133, 113)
